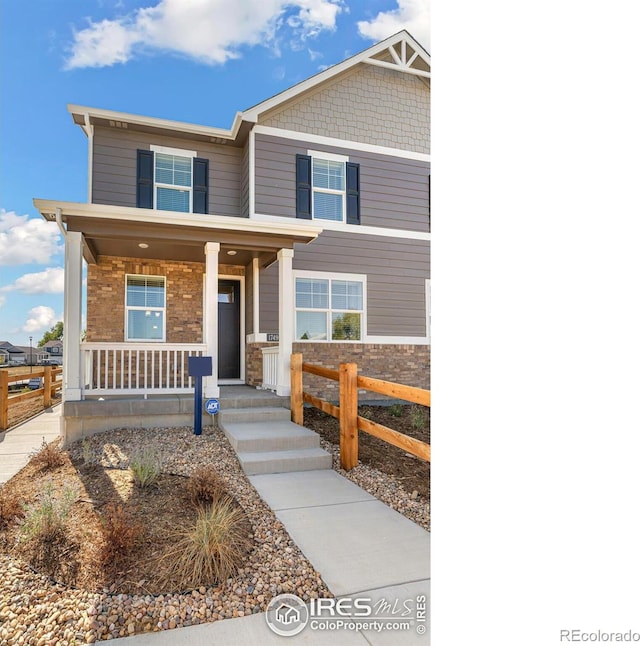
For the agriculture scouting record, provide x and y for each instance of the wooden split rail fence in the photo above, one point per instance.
(50, 385)
(347, 412)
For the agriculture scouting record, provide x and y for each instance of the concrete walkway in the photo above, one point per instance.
(19, 442)
(362, 548)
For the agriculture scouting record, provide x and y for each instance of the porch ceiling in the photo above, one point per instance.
(114, 231)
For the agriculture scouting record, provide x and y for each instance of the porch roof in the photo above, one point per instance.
(118, 231)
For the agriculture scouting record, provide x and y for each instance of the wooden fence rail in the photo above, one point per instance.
(347, 411)
(50, 384)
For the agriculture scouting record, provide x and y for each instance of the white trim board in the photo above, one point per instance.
(306, 137)
(359, 229)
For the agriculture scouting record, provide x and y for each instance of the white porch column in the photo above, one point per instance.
(285, 320)
(210, 302)
(72, 389)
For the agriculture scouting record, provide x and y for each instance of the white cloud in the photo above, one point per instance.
(49, 281)
(40, 317)
(412, 15)
(210, 31)
(3, 300)
(24, 240)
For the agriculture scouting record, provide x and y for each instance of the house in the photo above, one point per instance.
(305, 227)
(30, 355)
(53, 349)
(11, 354)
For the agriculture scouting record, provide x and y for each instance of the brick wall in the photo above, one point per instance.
(372, 105)
(403, 364)
(106, 297)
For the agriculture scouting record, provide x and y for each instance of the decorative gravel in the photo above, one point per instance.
(39, 612)
(36, 611)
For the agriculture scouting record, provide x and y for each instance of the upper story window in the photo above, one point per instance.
(327, 187)
(173, 182)
(145, 308)
(172, 179)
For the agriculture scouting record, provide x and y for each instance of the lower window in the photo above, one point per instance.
(329, 309)
(145, 308)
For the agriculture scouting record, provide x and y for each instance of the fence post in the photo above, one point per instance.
(4, 400)
(348, 415)
(47, 386)
(297, 411)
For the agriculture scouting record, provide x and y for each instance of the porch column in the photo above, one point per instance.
(72, 384)
(210, 300)
(285, 320)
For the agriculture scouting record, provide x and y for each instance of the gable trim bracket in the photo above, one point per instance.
(401, 62)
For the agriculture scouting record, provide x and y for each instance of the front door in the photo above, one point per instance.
(228, 329)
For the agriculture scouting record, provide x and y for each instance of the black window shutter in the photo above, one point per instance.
(353, 193)
(144, 180)
(200, 185)
(303, 187)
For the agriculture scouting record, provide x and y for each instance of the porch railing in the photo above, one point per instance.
(138, 368)
(270, 367)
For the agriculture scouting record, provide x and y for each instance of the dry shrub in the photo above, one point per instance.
(48, 456)
(46, 518)
(10, 507)
(120, 533)
(204, 487)
(211, 549)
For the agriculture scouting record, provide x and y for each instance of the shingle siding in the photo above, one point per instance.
(370, 104)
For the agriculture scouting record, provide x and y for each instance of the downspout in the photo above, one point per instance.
(88, 129)
(59, 223)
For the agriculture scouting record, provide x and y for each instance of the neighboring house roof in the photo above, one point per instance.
(56, 343)
(10, 348)
(400, 52)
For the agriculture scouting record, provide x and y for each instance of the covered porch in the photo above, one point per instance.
(232, 250)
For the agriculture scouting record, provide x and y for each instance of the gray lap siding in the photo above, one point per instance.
(394, 191)
(395, 268)
(114, 168)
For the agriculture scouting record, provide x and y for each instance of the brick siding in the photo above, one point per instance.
(403, 364)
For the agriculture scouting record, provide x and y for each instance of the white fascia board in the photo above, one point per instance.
(358, 229)
(178, 126)
(252, 114)
(308, 138)
(397, 340)
(153, 216)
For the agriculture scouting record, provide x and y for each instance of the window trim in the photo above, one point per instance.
(176, 152)
(127, 308)
(331, 276)
(344, 159)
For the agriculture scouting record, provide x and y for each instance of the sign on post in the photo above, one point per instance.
(212, 406)
(199, 367)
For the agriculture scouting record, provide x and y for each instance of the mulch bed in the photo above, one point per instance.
(413, 473)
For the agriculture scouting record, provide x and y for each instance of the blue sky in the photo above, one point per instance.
(197, 62)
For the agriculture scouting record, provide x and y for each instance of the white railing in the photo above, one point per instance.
(270, 367)
(138, 368)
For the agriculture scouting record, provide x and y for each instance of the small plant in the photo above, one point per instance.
(48, 456)
(10, 507)
(146, 465)
(120, 533)
(396, 410)
(211, 549)
(87, 453)
(204, 486)
(46, 518)
(366, 412)
(418, 417)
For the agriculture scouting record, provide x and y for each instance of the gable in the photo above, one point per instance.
(368, 104)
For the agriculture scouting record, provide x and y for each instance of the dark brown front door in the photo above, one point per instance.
(228, 329)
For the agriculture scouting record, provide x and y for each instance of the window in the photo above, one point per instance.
(173, 183)
(327, 188)
(329, 309)
(145, 308)
(170, 179)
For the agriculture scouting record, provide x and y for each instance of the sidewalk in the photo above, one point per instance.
(361, 548)
(18, 443)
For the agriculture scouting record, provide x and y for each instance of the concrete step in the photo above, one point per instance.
(275, 435)
(262, 462)
(255, 414)
(244, 397)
